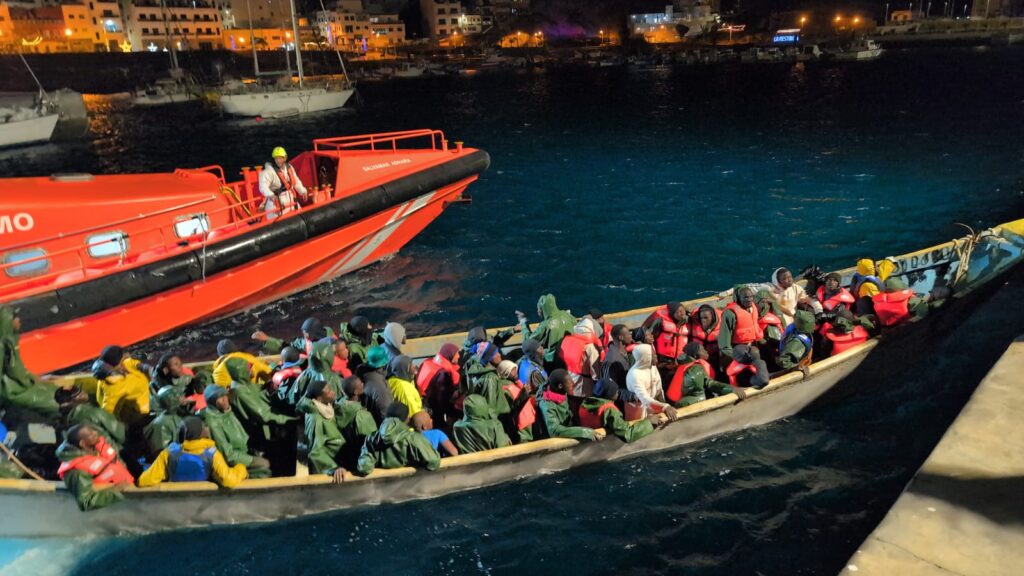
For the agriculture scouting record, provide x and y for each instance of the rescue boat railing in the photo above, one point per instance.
(383, 141)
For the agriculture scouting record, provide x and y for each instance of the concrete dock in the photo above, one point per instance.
(963, 512)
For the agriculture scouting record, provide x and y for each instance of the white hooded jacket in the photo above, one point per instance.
(583, 384)
(644, 380)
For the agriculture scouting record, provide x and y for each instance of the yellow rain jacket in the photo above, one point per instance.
(226, 476)
(866, 267)
(260, 369)
(125, 395)
(406, 393)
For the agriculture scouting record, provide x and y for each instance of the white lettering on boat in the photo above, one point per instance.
(22, 222)
(380, 165)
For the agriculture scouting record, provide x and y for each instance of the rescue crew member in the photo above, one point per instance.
(479, 428)
(695, 379)
(600, 411)
(193, 458)
(739, 323)
(582, 358)
(556, 416)
(89, 462)
(671, 329)
(395, 445)
(797, 344)
(555, 324)
(280, 185)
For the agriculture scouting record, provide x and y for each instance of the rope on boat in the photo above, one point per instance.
(964, 252)
(20, 464)
(236, 201)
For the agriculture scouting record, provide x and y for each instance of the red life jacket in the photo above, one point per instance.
(198, 401)
(289, 183)
(841, 342)
(769, 319)
(892, 307)
(674, 393)
(528, 413)
(672, 338)
(747, 327)
(282, 376)
(735, 369)
(340, 366)
(104, 466)
(573, 349)
(708, 339)
(634, 411)
(430, 368)
(589, 419)
(841, 297)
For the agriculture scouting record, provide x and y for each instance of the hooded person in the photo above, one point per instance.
(788, 294)
(123, 388)
(555, 324)
(671, 329)
(482, 377)
(739, 323)
(770, 316)
(531, 365)
(164, 428)
(19, 388)
(76, 408)
(91, 468)
(747, 369)
(285, 374)
(312, 330)
(228, 350)
(323, 436)
(868, 281)
(694, 380)
(556, 414)
(358, 334)
(250, 403)
(705, 325)
(644, 381)
(394, 339)
(192, 457)
(401, 382)
(354, 421)
(797, 344)
(170, 371)
(229, 434)
(438, 381)
(582, 357)
(479, 429)
(318, 369)
(599, 411)
(522, 414)
(477, 335)
(395, 445)
(377, 396)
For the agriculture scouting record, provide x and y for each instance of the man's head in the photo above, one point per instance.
(353, 388)
(170, 365)
(226, 346)
(678, 312)
(745, 296)
(313, 329)
(377, 357)
(192, 428)
(84, 436)
(532, 349)
(832, 282)
(398, 410)
(707, 317)
(218, 396)
(290, 355)
(319, 390)
(280, 156)
(450, 352)
(488, 353)
(341, 349)
(783, 278)
(695, 350)
(68, 398)
(622, 335)
(558, 381)
(422, 421)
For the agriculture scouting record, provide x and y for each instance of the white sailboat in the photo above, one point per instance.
(176, 88)
(285, 99)
(21, 125)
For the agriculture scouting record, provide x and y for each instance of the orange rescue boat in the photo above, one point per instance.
(94, 260)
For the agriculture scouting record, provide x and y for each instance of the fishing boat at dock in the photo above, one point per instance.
(970, 267)
(134, 256)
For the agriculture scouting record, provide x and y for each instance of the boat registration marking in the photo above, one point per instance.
(382, 165)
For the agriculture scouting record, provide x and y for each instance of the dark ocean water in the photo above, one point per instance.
(621, 189)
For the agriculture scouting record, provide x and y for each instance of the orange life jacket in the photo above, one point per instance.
(528, 413)
(892, 307)
(104, 466)
(340, 366)
(282, 376)
(735, 369)
(573, 349)
(769, 319)
(589, 419)
(747, 328)
(634, 411)
(672, 338)
(430, 368)
(708, 339)
(606, 339)
(674, 393)
(842, 342)
(841, 297)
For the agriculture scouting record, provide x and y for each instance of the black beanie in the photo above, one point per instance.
(226, 346)
(112, 355)
(691, 349)
(63, 395)
(315, 388)
(596, 313)
(191, 428)
(290, 355)
(314, 328)
(359, 325)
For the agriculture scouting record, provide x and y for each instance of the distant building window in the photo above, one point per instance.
(442, 21)
(194, 225)
(28, 268)
(107, 244)
(145, 31)
(442, 31)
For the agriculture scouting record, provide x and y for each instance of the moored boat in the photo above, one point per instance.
(133, 256)
(23, 126)
(965, 265)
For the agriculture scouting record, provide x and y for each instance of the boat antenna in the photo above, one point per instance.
(38, 83)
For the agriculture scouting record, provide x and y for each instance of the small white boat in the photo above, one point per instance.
(277, 103)
(808, 53)
(864, 50)
(409, 71)
(21, 126)
(166, 91)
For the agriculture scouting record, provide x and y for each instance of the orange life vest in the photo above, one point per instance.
(735, 369)
(841, 297)
(104, 466)
(528, 413)
(674, 393)
(708, 339)
(430, 368)
(672, 338)
(573, 349)
(769, 319)
(606, 339)
(589, 419)
(842, 342)
(282, 376)
(634, 411)
(340, 366)
(892, 307)
(747, 327)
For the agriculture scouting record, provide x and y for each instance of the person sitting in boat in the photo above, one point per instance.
(747, 369)
(582, 358)
(797, 345)
(280, 185)
(602, 328)
(251, 405)
(479, 429)
(478, 334)
(285, 374)
(556, 415)
(868, 281)
(377, 396)
(705, 324)
(227, 350)
(318, 368)
(555, 324)
(323, 436)
(833, 296)
(394, 339)
(694, 379)
(600, 411)
(644, 380)
(790, 296)
(739, 323)
(359, 335)
(174, 407)
(423, 424)
(898, 304)
(19, 388)
(438, 381)
(522, 415)
(842, 334)
(312, 330)
(616, 360)
(91, 468)
(229, 434)
(531, 365)
(401, 378)
(671, 329)
(395, 445)
(193, 457)
(123, 388)
(77, 408)
(482, 377)
(354, 421)
(170, 371)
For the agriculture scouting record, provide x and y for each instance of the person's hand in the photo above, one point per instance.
(805, 370)
(740, 393)
(658, 419)
(260, 336)
(670, 413)
(599, 434)
(339, 475)
(517, 328)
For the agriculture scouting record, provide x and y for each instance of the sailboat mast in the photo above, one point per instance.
(167, 35)
(252, 42)
(295, 38)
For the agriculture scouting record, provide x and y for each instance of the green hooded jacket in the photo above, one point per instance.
(484, 381)
(357, 351)
(395, 445)
(227, 431)
(80, 484)
(104, 422)
(558, 420)
(479, 428)
(275, 345)
(354, 421)
(554, 326)
(323, 437)
(319, 369)
(614, 423)
(697, 384)
(250, 402)
(164, 428)
(18, 387)
(793, 349)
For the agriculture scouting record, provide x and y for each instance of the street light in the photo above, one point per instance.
(856, 20)
(803, 20)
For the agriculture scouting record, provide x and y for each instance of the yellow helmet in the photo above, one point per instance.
(279, 153)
